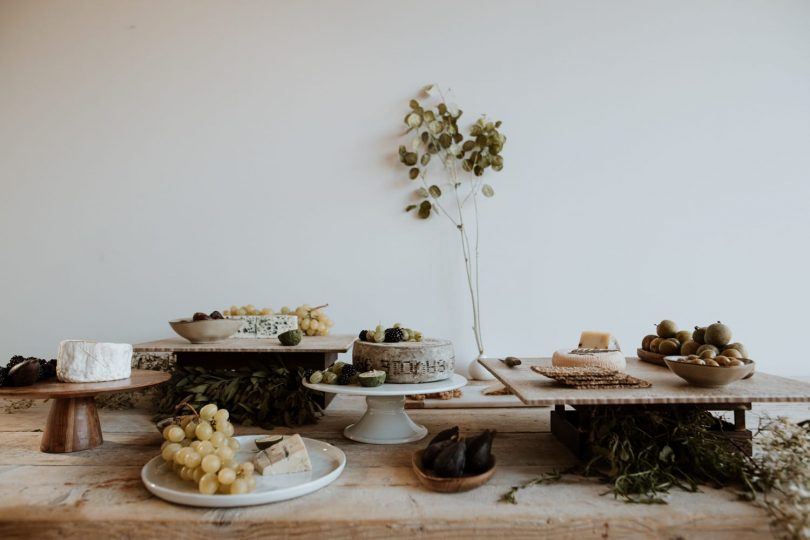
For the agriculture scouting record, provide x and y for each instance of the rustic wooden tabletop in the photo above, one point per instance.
(98, 493)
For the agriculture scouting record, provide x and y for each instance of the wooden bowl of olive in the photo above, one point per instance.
(698, 372)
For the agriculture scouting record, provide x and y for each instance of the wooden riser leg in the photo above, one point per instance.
(72, 425)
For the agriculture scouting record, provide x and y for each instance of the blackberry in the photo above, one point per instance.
(16, 359)
(3, 376)
(393, 335)
(343, 379)
(349, 370)
(362, 335)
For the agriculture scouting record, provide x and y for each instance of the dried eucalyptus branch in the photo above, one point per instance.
(545, 478)
(438, 134)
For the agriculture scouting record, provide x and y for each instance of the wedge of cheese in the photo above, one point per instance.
(91, 361)
(598, 340)
(288, 456)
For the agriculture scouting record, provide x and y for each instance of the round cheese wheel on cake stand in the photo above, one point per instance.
(406, 362)
(585, 358)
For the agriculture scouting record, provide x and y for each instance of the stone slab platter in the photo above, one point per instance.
(667, 388)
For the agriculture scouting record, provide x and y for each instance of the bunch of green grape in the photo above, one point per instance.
(201, 448)
(312, 321)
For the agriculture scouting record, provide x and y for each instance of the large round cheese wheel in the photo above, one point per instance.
(611, 360)
(423, 361)
(91, 361)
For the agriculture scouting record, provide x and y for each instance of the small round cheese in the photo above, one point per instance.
(611, 359)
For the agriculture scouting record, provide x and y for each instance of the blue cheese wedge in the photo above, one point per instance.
(288, 456)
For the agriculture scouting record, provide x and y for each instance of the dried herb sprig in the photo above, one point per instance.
(545, 478)
(258, 393)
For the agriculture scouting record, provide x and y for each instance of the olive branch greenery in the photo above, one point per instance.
(464, 161)
(256, 394)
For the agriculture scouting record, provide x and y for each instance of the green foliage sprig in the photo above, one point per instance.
(255, 394)
(437, 136)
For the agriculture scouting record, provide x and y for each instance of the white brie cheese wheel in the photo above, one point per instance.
(611, 360)
(91, 361)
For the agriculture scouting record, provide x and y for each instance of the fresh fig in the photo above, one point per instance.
(25, 373)
(683, 336)
(479, 452)
(451, 460)
(446, 435)
(668, 348)
(432, 451)
(200, 316)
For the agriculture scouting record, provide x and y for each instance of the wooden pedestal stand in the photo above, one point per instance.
(73, 422)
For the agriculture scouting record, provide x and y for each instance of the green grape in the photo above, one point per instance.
(185, 442)
(190, 429)
(316, 377)
(174, 434)
(204, 431)
(211, 463)
(233, 444)
(226, 476)
(195, 445)
(205, 448)
(164, 444)
(208, 484)
(186, 473)
(198, 473)
(180, 455)
(217, 439)
(225, 453)
(208, 412)
(193, 459)
(221, 416)
(166, 431)
(169, 451)
(239, 486)
(223, 426)
(227, 429)
(185, 420)
(329, 378)
(246, 468)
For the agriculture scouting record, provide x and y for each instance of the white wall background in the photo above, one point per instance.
(152, 153)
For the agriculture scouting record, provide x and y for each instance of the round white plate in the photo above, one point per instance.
(390, 389)
(327, 463)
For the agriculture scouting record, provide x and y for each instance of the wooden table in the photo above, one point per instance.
(315, 352)
(73, 422)
(98, 493)
(667, 389)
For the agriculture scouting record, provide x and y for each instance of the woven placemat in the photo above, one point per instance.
(584, 378)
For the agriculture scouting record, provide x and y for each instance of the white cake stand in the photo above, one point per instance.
(385, 420)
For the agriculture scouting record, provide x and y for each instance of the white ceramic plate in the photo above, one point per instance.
(327, 464)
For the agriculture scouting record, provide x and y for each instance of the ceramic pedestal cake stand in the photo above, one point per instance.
(73, 422)
(385, 420)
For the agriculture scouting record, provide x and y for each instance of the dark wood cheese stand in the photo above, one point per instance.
(73, 422)
(315, 352)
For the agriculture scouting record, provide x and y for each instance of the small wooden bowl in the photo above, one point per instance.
(450, 485)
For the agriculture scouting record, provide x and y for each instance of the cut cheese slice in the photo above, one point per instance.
(598, 340)
(288, 456)
(91, 361)
(610, 359)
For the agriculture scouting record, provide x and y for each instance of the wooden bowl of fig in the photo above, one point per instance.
(458, 484)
